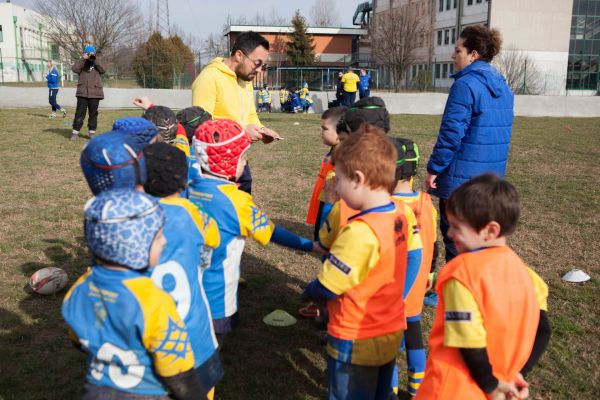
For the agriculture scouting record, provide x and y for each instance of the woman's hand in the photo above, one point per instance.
(430, 181)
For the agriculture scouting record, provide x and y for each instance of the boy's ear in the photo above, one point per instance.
(359, 177)
(492, 230)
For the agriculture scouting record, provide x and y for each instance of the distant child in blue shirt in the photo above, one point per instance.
(53, 79)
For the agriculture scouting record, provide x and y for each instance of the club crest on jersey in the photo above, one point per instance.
(259, 220)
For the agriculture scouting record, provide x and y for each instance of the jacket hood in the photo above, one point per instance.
(221, 66)
(487, 74)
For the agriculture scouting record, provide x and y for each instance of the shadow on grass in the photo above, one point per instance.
(37, 349)
(64, 132)
(268, 362)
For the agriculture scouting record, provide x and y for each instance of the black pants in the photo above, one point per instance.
(52, 99)
(85, 104)
(349, 98)
(451, 251)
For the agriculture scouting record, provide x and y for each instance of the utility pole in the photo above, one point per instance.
(163, 22)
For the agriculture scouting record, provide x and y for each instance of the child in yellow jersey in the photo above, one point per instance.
(490, 326)
(363, 275)
(426, 215)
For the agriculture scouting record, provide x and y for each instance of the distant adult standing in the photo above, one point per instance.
(339, 91)
(476, 128)
(224, 89)
(89, 91)
(53, 79)
(364, 84)
(350, 83)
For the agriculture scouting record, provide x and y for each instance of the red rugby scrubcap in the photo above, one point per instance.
(219, 145)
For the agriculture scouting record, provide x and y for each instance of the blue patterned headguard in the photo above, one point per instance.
(120, 226)
(140, 129)
(113, 160)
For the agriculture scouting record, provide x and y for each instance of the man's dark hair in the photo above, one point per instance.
(484, 199)
(248, 41)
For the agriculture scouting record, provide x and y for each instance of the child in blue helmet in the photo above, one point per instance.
(138, 345)
(191, 237)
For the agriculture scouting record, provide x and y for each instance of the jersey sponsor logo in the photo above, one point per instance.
(339, 264)
(458, 316)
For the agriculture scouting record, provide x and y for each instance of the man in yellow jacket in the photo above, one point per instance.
(224, 89)
(350, 81)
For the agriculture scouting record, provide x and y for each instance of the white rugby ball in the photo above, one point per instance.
(48, 280)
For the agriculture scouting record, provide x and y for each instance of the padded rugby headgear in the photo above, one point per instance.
(165, 121)
(369, 110)
(167, 170)
(408, 158)
(219, 145)
(112, 161)
(142, 130)
(191, 118)
(120, 226)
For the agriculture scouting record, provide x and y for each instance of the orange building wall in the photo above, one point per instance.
(329, 44)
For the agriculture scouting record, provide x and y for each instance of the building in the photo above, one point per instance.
(335, 49)
(555, 43)
(24, 47)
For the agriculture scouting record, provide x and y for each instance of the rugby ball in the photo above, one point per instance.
(48, 280)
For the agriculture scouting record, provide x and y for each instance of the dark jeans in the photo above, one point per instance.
(84, 104)
(364, 93)
(349, 98)
(349, 381)
(444, 225)
(52, 99)
(245, 181)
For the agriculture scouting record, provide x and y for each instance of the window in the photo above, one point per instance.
(454, 4)
(447, 36)
(414, 70)
(1, 37)
(439, 41)
(451, 68)
(478, 1)
(441, 6)
(469, 2)
(444, 71)
(437, 71)
(448, 2)
(453, 35)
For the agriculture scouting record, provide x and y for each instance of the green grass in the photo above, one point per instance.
(553, 163)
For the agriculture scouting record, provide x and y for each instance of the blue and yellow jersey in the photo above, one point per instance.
(283, 96)
(237, 218)
(130, 329)
(470, 332)
(191, 235)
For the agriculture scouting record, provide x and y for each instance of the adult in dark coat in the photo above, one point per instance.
(89, 91)
(474, 136)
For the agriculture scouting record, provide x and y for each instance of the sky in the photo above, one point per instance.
(202, 17)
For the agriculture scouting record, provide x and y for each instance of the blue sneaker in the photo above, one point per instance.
(431, 299)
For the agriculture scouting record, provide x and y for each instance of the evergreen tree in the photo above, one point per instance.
(159, 59)
(300, 47)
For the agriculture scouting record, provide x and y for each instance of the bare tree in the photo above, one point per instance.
(396, 35)
(520, 71)
(323, 13)
(107, 24)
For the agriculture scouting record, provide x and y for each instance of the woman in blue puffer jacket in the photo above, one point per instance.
(53, 79)
(474, 136)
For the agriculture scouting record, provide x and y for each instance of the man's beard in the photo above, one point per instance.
(244, 77)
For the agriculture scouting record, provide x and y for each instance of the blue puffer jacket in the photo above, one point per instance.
(52, 78)
(474, 136)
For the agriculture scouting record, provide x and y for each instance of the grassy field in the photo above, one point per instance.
(553, 162)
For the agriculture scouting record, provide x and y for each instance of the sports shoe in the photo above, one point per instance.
(312, 310)
(91, 134)
(74, 135)
(52, 115)
(64, 112)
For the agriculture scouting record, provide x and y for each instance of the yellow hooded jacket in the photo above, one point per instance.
(218, 90)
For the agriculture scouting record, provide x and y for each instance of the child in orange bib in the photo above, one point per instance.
(490, 326)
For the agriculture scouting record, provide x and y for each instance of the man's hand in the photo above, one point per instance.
(430, 181)
(263, 134)
(86, 56)
(142, 102)
(318, 249)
